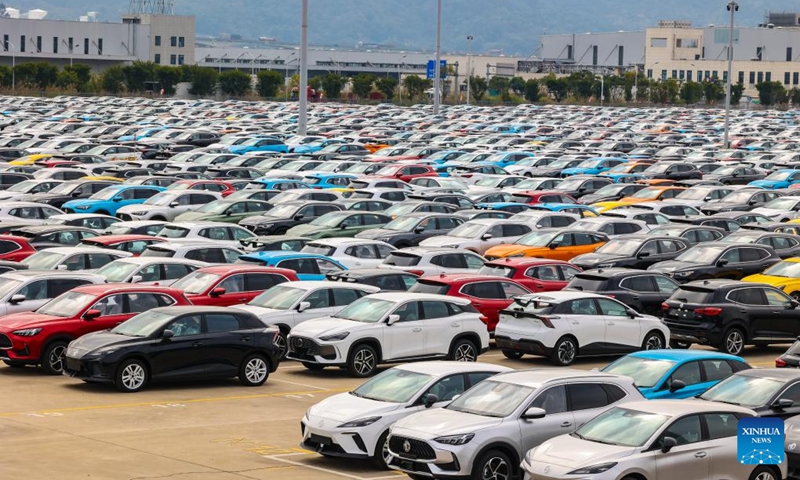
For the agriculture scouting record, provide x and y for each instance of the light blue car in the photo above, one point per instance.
(783, 178)
(108, 200)
(308, 266)
(259, 145)
(593, 166)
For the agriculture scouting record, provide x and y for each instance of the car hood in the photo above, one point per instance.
(83, 201)
(377, 233)
(346, 407)
(768, 211)
(596, 258)
(573, 453)
(767, 183)
(442, 241)
(192, 216)
(770, 279)
(510, 249)
(259, 219)
(674, 266)
(16, 321)
(263, 313)
(325, 326)
(91, 342)
(441, 421)
(594, 198)
(306, 229)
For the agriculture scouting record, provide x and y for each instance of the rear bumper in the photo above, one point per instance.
(533, 347)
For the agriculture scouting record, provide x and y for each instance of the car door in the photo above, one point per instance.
(583, 319)
(182, 355)
(406, 337)
(689, 459)
(721, 428)
(784, 314)
(439, 328)
(320, 304)
(559, 419)
(113, 311)
(623, 333)
(545, 278)
(639, 293)
(488, 298)
(36, 295)
(691, 375)
(225, 344)
(752, 307)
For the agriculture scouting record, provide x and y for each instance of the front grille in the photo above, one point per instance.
(124, 217)
(492, 257)
(303, 346)
(5, 342)
(411, 448)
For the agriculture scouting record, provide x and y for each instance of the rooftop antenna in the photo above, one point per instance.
(152, 7)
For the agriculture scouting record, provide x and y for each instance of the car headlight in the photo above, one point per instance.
(385, 239)
(139, 213)
(684, 273)
(82, 207)
(462, 439)
(28, 332)
(361, 422)
(594, 469)
(515, 255)
(106, 350)
(334, 337)
(604, 265)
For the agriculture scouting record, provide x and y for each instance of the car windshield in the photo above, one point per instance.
(64, 188)
(367, 310)
(105, 194)
(195, 283)
(214, 207)
(647, 193)
(646, 372)
(784, 269)
(561, 164)
(43, 260)
(693, 194)
(66, 305)
(701, 254)
(402, 224)
(319, 249)
(279, 297)
(725, 170)
(117, 271)
(573, 184)
(744, 390)
(610, 190)
(161, 199)
(620, 246)
(536, 239)
(488, 182)
(7, 286)
(394, 385)
(23, 186)
(739, 197)
(779, 176)
(497, 271)
(283, 211)
(491, 399)
(468, 230)
(332, 219)
(621, 426)
(786, 204)
(173, 231)
(425, 286)
(142, 325)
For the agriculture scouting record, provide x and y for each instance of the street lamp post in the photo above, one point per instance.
(732, 7)
(469, 66)
(400, 77)
(602, 88)
(437, 67)
(69, 50)
(13, 66)
(302, 119)
(219, 70)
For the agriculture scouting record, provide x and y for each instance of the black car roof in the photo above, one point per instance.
(616, 272)
(774, 373)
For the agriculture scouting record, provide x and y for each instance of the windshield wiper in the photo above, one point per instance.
(578, 435)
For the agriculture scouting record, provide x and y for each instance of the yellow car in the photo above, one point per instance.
(551, 244)
(784, 275)
(104, 178)
(29, 159)
(649, 194)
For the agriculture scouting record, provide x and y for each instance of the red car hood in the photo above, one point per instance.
(20, 320)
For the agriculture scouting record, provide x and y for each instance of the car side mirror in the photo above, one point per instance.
(91, 314)
(61, 267)
(792, 305)
(342, 225)
(643, 255)
(534, 413)
(486, 236)
(174, 204)
(631, 313)
(722, 263)
(782, 403)
(752, 202)
(393, 319)
(299, 217)
(676, 385)
(136, 279)
(303, 306)
(735, 175)
(668, 444)
(116, 199)
(217, 292)
(15, 299)
(553, 245)
(167, 334)
(419, 229)
(429, 400)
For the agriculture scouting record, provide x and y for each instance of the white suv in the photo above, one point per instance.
(484, 433)
(167, 205)
(391, 327)
(480, 235)
(351, 252)
(564, 325)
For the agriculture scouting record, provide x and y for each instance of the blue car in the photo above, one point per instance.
(143, 133)
(593, 166)
(108, 200)
(778, 179)
(676, 374)
(308, 266)
(511, 207)
(260, 145)
(444, 156)
(278, 183)
(329, 180)
(316, 146)
(504, 159)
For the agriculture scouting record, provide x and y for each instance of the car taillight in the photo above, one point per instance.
(484, 319)
(418, 273)
(665, 306)
(780, 363)
(547, 321)
(708, 311)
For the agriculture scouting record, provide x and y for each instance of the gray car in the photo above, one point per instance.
(410, 229)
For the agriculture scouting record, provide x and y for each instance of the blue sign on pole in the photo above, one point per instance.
(431, 72)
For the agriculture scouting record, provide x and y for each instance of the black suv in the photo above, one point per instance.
(642, 291)
(408, 230)
(740, 201)
(718, 260)
(287, 215)
(729, 315)
(786, 245)
(693, 234)
(632, 251)
(385, 279)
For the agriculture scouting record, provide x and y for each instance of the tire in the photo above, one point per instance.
(679, 345)
(493, 465)
(763, 473)
(795, 295)
(14, 364)
(732, 342)
(512, 355)
(653, 341)
(254, 370)
(314, 367)
(281, 231)
(53, 357)
(362, 361)
(564, 352)
(132, 376)
(381, 455)
(280, 342)
(158, 218)
(528, 174)
(463, 351)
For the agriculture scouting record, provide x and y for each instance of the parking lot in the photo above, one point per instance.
(214, 431)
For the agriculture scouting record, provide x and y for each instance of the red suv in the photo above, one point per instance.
(41, 337)
(226, 285)
(15, 249)
(536, 274)
(406, 173)
(488, 294)
(537, 196)
(222, 187)
(135, 244)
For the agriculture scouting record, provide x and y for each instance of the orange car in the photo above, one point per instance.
(658, 182)
(553, 244)
(649, 194)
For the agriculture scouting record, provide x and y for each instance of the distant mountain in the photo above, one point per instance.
(512, 26)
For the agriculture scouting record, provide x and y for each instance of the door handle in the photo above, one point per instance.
(700, 455)
(610, 323)
(566, 424)
(244, 339)
(417, 329)
(197, 344)
(477, 304)
(243, 299)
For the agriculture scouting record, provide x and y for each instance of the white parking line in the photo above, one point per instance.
(283, 459)
(299, 384)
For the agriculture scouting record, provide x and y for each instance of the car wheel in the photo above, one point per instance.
(254, 371)
(493, 465)
(795, 296)
(679, 345)
(53, 358)
(281, 231)
(732, 342)
(653, 341)
(362, 362)
(280, 342)
(131, 376)
(14, 364)
(381, 456)
(528, 174)
(512, 355)
(314, 367)
(763, 473)
(464, 351)
(565, 351)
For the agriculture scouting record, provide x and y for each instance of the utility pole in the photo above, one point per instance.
(437, 73)
(469, 67)
(733, 7)
(302, 119)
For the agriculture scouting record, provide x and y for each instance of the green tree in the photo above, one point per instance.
(771, 93)
(203, 80)
(168, 78)
(112, 80)
(67, 79)
(691, 92)
(499, 84)
(794, 96)
(518, 85)
(235, 83)
(583, 85)
(664, 92)
(713, 91)
(387, 86)
(532, 90)
(138, 74)
(362, 84)
(269, 81)
(5, 76)
(35, 74)
(557, 87)
(416, 86)
(84, 74)
(332, 84)
(314, 82)
(478, 85)
(736, 93)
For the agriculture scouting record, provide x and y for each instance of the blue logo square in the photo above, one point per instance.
(760, 441)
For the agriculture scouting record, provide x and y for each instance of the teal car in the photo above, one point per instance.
(308, 266)
(110, 199)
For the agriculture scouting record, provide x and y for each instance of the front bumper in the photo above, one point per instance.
(308, 350)
(336, 442)
(427, 459)
(90, 370)
(15, 349)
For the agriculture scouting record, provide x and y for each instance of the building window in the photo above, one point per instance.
(621, 55)
(594, 55)
(157, 59)
(699, 75)
(158, 41)
(787, 78)
(663, 74)
(788, 54)
(769, 76)
(725, 77)
(752, 78)
(180, 59)
(658, 42)
(570, 52)
(795, 78)
(681, 74)
(22, 43)
(173, 59)
(760, 77)
(741, 78)
(674, 74)
(5, 42)
(39, 44)
(688, 75)
(181, 42)
(86, 46)
(173, 41)
(71, 44)
(99, 46)
(55, 44)
(649, 73)
(759, 52)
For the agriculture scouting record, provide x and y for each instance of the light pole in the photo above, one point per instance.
(337, 64)
(302, 119)
(733, 7)
(253, 70)
(13, 66)
(69, 50)
(469, 66)
(400, 77)
(602, 87)
(437, 67)
(220, 62)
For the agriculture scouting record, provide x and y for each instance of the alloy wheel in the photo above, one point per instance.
(654, 343)
(566, 352)
(56, 358)
(765, 476)
(133, 376)
(255, 370)
(495, 469)
(465, 353)
(364, 361)
(734, 342)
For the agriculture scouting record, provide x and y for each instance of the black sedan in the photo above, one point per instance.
(735, 175)
(172, 343)
(286, 215)
(790, 358)
(577, 187)
(740, 201)
(70, 190)
(693, 234)
(673, 171)
(718, 260)
(770, 392)
(642, 291)
(409, 230)
(632, 251)
(385, 279)
(786, 245)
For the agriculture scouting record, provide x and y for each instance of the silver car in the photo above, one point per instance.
(484, 433)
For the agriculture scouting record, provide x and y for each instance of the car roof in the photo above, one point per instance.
(243, 268)
(148, 260)
(404, 296)
(313, 284)
(563, 295)
(525, 262)
(683, 355)
(339, 241)
(368, 272)
(440, 368)
(123, 287)
(537, 377)
(675, 408)
(27, 274)
(783, 374)
(464, 278)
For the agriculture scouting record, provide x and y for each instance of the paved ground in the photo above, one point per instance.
(56, 427)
